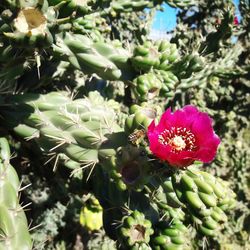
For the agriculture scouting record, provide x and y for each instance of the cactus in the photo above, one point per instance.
(91, 214)
(146, 87)
(70, 6)
(141, 116)
(61, 125)
(129, 168)
(169, 83)
(206, 199)
(158, 55)
(173, 236)
(13, 222)
(108, 62)
(181, 3)
(146, 196)
(30, 28)
(135, 231)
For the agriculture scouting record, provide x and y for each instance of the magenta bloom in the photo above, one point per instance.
(184, 136)
(236, 21)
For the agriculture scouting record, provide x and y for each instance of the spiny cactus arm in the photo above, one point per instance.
(14, 232)
(120, 6)
(83, 129)
(223, 67)
(182, 3)
(105, 60)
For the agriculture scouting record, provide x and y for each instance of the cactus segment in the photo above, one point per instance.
(134, 5)
(170, 236)
(90, 24)
(167, 197)
(201, 189)
(106, 60)
(78, 7)
(78, 129)
(13, 222)
(188, 64)
(169, 82)
(206, 198)
(181, 3)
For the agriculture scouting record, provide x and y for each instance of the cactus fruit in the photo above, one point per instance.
(135, 231)
(13, 223)
(30, 28)
(129, 168)
(91, 214)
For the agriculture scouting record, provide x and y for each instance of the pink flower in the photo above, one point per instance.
(236, 21)
(184, 136)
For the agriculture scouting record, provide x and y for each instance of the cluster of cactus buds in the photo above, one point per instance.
(146, 87)
(206, 198)
(173, 236)
(139, 119)
(156, 55)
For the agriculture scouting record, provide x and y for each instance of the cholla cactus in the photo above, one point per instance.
(13, 222)
(108, 134)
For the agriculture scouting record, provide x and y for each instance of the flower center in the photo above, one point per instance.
(178, 143)
(178, 138)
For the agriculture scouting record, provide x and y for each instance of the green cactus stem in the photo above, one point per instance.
(206, 198)
(82, 129)
(13, 223)
(173, 236)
